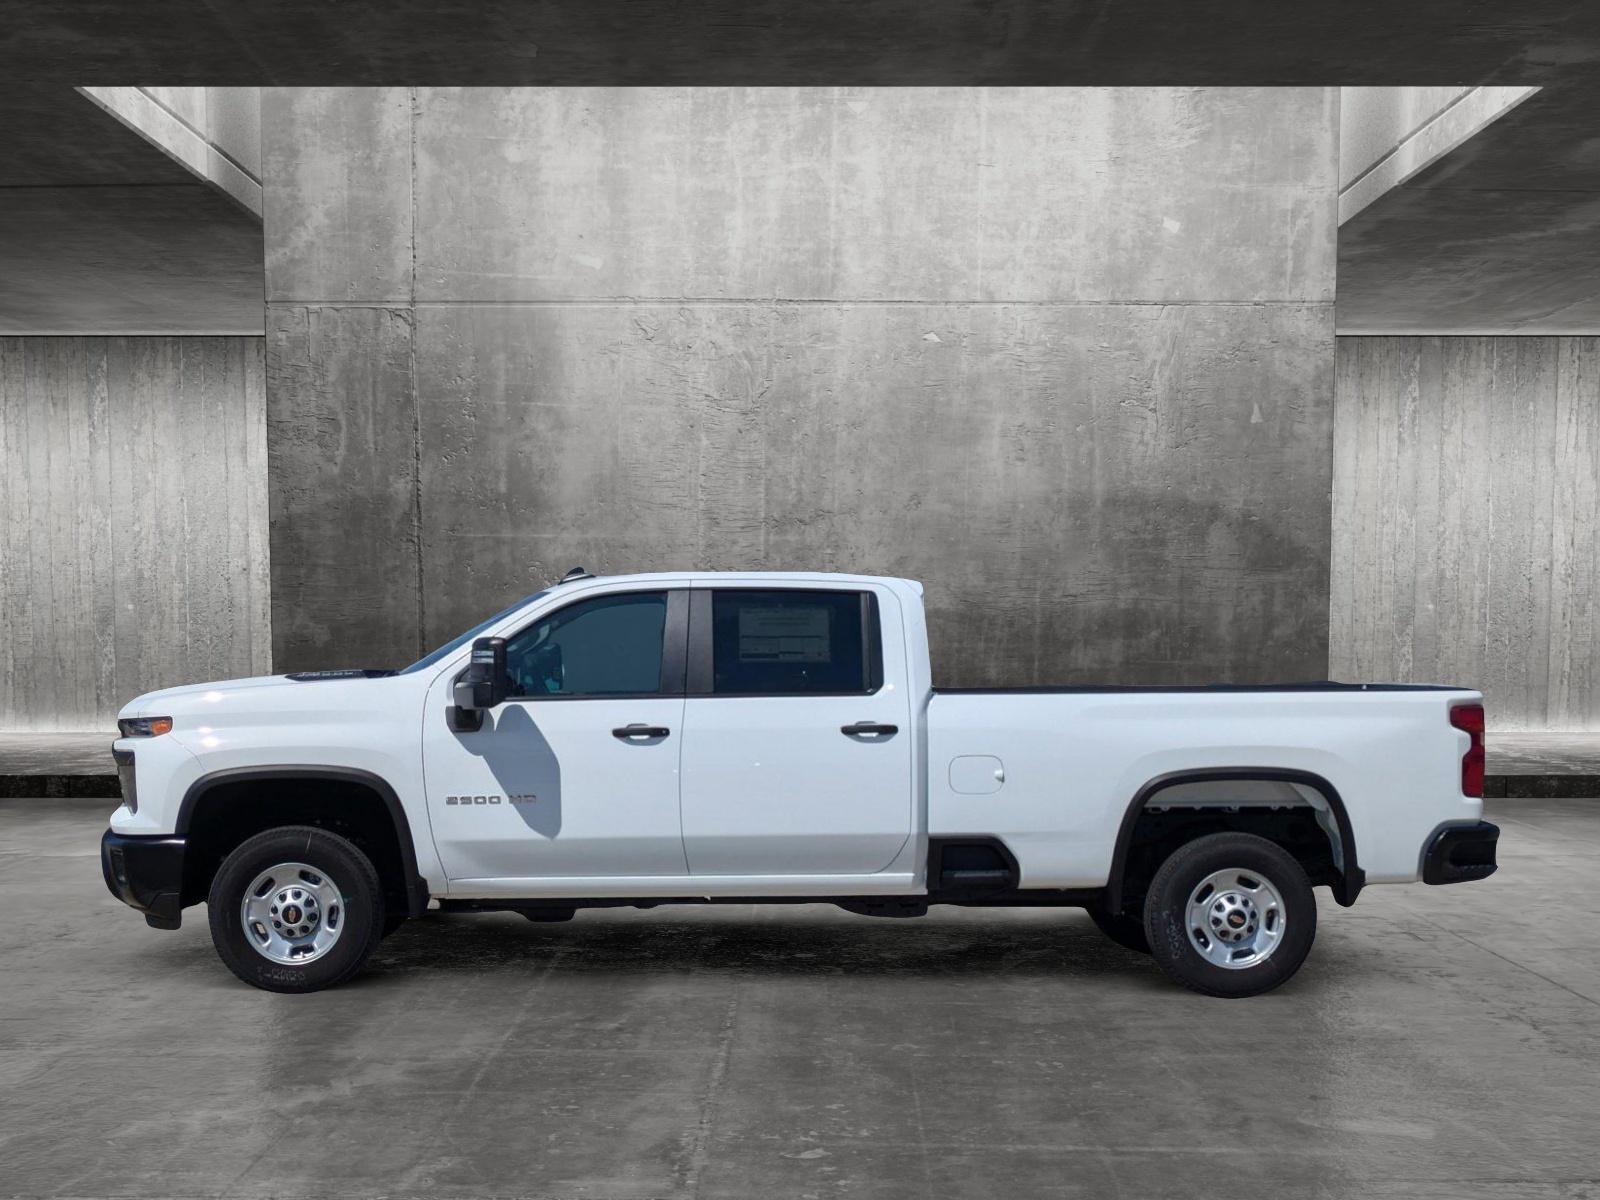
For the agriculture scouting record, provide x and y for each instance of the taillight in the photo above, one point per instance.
(1469, 719)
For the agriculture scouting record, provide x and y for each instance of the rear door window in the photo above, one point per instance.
(793, 643)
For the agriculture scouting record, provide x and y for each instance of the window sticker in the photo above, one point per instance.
(769, 633)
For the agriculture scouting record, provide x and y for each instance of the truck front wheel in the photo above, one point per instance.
(296, 909)
(1231, 914)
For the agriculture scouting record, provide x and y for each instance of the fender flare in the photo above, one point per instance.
(1345, 890)
(416, 887)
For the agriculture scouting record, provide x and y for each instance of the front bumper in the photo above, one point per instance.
(146, 873)
(1461, 853)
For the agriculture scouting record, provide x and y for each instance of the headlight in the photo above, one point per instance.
(145, 726)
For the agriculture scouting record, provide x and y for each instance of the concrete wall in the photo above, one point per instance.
(1465, 509)
(133, 542)
(1065, 355)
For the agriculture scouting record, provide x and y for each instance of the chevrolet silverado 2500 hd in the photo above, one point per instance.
(652, 739)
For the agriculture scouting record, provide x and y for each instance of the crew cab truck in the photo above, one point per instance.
(653, 739)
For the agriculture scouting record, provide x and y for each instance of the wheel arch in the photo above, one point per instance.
(415, 887)
(1345, 889)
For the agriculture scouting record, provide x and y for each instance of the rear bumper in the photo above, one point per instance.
(146, 873)
(1461, 853)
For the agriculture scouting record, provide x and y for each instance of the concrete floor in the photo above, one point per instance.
(1543, 753)
(1442, 1042)
(34, 752)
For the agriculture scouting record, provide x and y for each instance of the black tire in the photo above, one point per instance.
(1125, 930)
(1167, 903)
(362, 908)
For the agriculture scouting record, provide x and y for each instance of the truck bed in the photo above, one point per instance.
(1319, 685)
(1054, 771)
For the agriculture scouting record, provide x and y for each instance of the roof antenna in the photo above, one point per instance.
(575, 574)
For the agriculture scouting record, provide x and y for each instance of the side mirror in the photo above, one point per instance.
(485, 683)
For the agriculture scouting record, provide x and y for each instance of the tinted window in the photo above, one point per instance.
(778, 643)
(608, 646)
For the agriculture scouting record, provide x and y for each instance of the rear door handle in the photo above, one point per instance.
(641, 731)
(868, 729)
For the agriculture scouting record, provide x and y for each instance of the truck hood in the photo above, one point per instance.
(190, 696)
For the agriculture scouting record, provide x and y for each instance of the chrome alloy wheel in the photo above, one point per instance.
(1235, 918)
(293, 914)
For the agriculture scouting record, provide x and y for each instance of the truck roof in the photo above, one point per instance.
(774, 577)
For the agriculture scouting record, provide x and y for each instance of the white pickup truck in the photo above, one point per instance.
(680, 738)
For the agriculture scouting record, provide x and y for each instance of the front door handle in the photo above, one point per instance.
(640, 731)
(868, 729)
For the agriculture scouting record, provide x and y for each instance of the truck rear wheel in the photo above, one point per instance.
(296, 909)
(1230, 915)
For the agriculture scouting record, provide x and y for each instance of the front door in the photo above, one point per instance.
(797, 754)
(577, 774)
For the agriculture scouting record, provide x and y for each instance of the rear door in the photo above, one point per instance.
(797, 734)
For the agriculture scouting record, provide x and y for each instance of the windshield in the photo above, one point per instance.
(455, 643)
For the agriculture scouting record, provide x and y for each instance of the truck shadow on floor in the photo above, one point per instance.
(799, 946)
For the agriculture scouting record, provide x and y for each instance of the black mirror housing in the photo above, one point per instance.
(486, 682)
